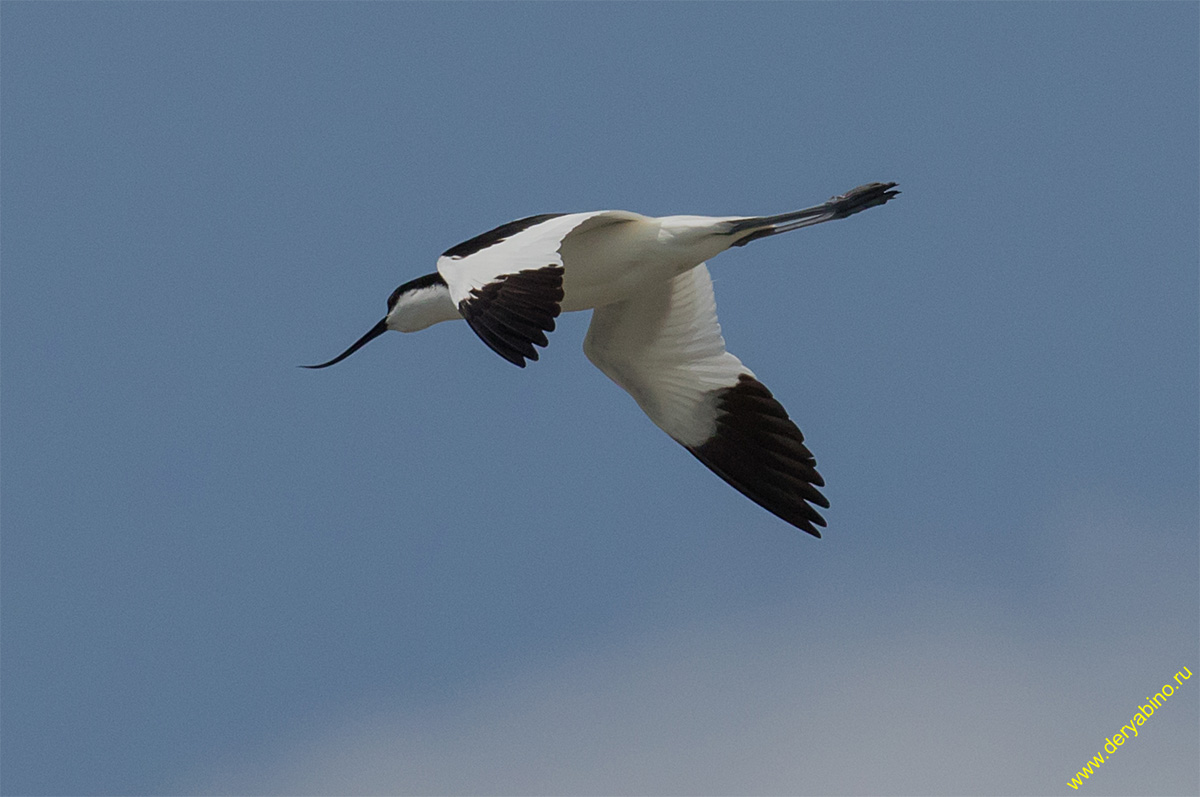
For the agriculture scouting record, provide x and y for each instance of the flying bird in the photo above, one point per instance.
(654, 328)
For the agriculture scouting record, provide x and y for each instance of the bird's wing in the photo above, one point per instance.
(508, 282)
(665, 348)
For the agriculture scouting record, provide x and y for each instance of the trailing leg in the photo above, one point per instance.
(838, 207)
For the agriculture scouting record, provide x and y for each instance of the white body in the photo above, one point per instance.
(607, 256)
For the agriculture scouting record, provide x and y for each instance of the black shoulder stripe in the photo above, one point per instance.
(761, 453)
(514, 313)
(492, 237)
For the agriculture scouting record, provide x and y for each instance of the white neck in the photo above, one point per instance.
(422, 307)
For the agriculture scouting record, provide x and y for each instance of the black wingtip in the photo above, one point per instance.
(513, 313)
(758, 450)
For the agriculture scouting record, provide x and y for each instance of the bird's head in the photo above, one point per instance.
(413, 306)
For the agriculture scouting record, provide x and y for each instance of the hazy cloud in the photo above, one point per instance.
(957, 699)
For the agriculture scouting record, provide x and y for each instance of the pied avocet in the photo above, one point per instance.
(654, 328)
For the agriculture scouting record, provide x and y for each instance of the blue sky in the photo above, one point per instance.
(427, 571)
